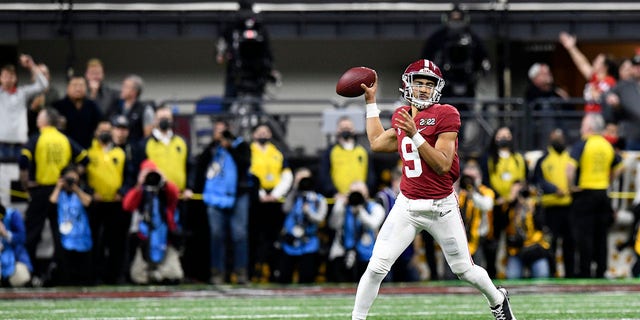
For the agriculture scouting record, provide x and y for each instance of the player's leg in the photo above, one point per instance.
(448, 230)
(395, 235)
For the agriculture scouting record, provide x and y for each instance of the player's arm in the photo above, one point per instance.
(381, 140)
(440, 156)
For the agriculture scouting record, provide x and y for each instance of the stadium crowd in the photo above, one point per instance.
(127, 202)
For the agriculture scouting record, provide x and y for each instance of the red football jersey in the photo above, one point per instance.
(419, 181)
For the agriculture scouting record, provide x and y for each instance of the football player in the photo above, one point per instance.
(425, 134)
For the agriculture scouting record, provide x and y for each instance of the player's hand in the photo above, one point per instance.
(405, 123)
(370, 92)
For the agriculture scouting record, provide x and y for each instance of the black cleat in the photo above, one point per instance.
(503, 310)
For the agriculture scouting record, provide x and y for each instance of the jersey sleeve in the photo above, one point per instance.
(449, 121)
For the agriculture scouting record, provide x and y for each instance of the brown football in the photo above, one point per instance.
(349, 83)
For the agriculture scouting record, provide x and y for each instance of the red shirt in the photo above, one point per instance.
(419, 181)
(598, 87)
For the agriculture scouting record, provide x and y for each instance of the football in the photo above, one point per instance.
(349, 83)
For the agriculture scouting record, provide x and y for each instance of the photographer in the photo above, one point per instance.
(153, 200)
(15, 265)
(476, 205)
(527, 247)
(306, 210)
(355, 220)
(72, 200)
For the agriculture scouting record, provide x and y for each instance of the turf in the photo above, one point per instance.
(601, 302)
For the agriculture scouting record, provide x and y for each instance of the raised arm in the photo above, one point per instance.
(579, 59)
(381, 140)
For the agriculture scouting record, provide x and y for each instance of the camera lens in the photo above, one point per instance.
(356, 199)
(69, 181)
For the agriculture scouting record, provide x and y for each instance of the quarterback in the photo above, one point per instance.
(425, 134)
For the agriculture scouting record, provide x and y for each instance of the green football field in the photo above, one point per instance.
(547, 300)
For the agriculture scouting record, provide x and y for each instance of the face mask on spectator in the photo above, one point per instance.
(558, 146)
(164, 124)
(104, 137)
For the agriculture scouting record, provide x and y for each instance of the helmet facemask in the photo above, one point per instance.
(407, 90)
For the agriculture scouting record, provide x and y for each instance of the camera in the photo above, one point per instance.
(525, 192)
(516, 240)
(467, 182)
(355, 198)
(152, 181)
(69, 181)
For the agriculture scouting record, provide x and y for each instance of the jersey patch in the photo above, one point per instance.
(428, 121)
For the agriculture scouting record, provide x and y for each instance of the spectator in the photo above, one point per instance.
(170, 153)
(39, 175)
(155, 198)
(15, 264)
(600, 74)
(356, 220)
(405, 269)
(139, 114)
(82, 114)
(241, 153)
(526, 247)
(542, 86)
(272, 170)
(109, 223)
(593, 165)
(72, 200)
(505, 171)
(476, 207)
(550, 178)
(543, 95)
(633, 240)
(13, 99)
(625, 70)
(624, 99)
(217, 176)
(460, 52)
(611, 133)
(120, 137)
(305, 210)
(102, 94)
(427, 200)
(41, 101)
(166, 149)
(345, 162)
(245, 47)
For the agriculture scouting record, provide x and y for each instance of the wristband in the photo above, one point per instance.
(372, 110)
(418, 139)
